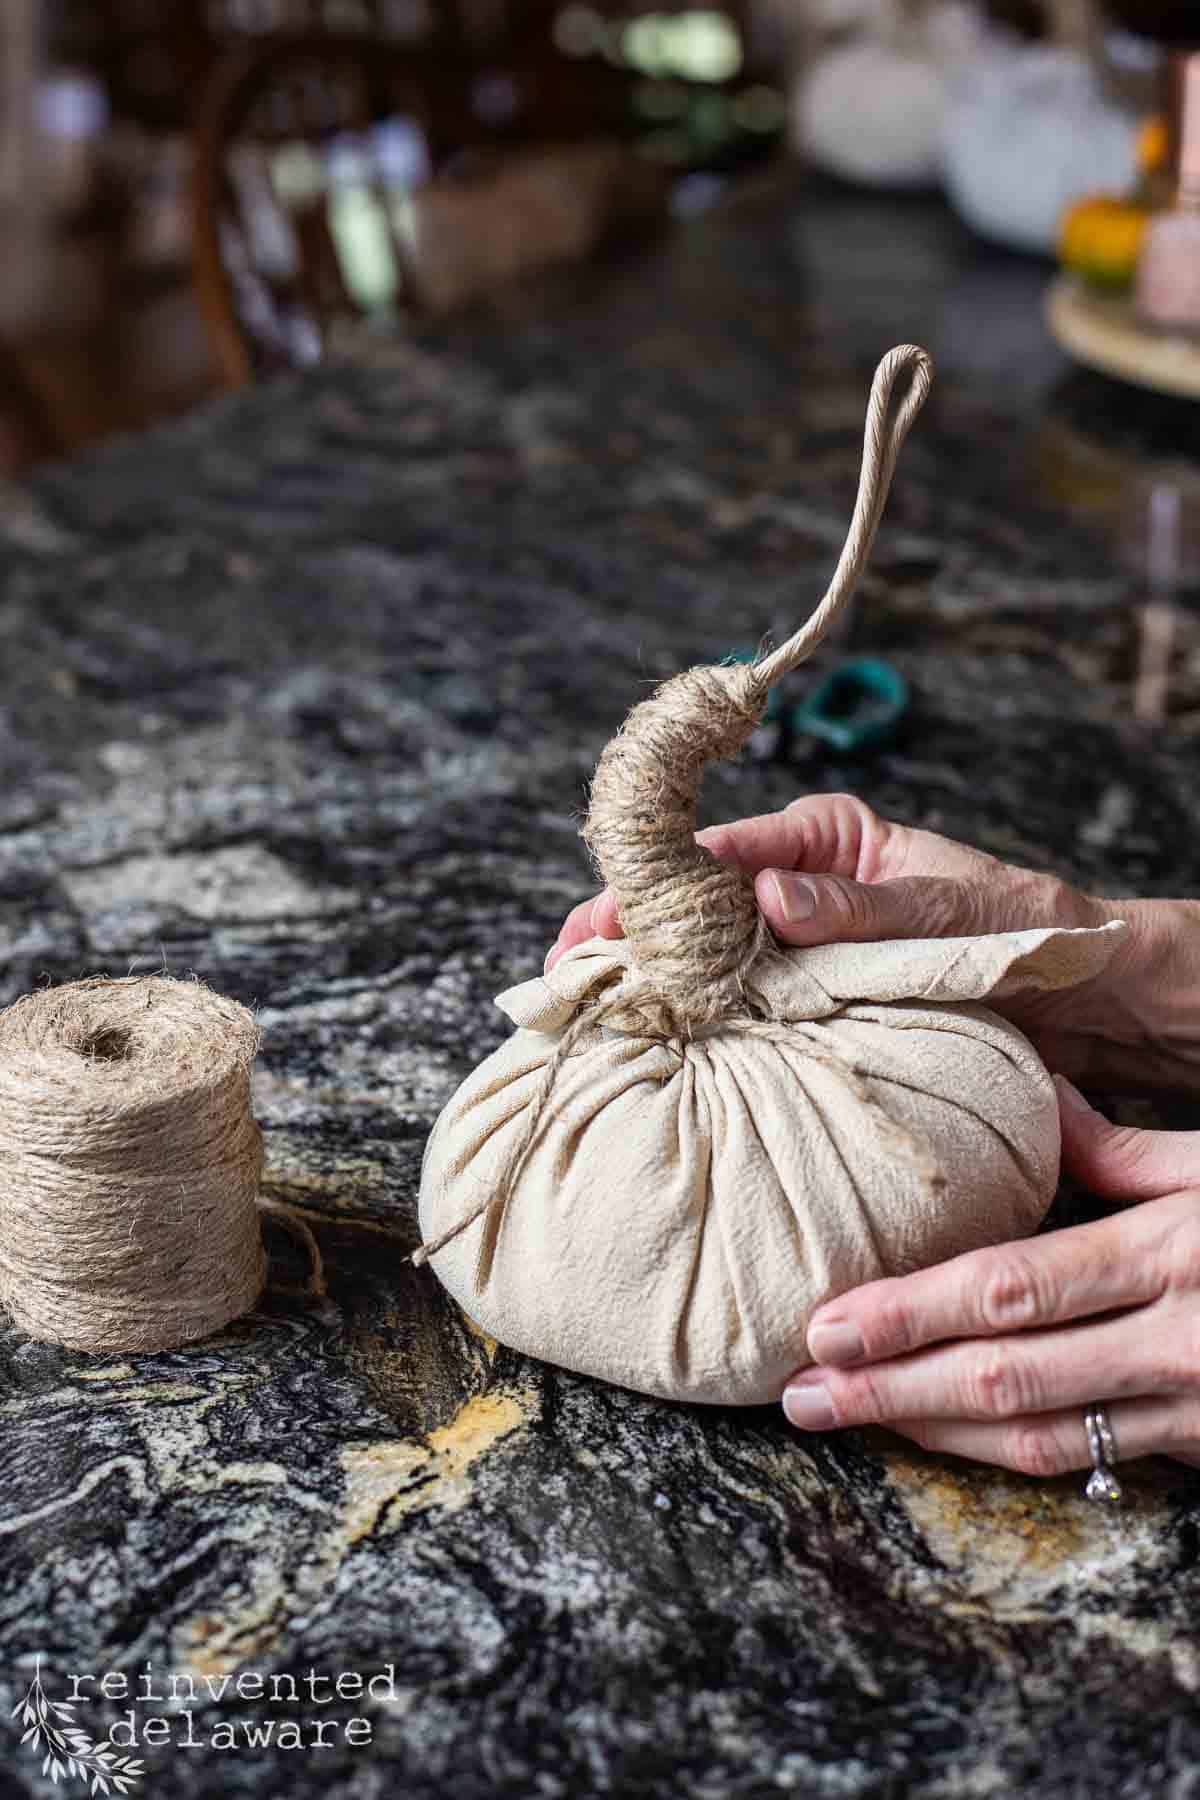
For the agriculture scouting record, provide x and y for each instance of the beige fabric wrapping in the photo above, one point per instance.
(685, 1205)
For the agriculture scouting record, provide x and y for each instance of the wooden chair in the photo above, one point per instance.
(307, 154)
(155, 56)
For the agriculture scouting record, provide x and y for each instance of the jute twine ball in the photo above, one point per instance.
(129, 1164)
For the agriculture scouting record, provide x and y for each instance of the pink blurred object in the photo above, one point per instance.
(1168, 276)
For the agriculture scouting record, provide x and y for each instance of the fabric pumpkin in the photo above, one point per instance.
(695, 1136)
(686, 1204)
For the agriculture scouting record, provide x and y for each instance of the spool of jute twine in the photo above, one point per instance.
(692, 922)
(130, 1164)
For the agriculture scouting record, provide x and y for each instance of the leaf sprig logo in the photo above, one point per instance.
(70, 1752)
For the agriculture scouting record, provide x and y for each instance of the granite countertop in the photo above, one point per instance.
(302, 695)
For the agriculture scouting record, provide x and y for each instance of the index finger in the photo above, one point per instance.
(1047, 1280)
(769, 841)
(824, 834)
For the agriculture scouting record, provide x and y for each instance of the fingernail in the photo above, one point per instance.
(797, 898)
(1070, 1095)
(808, 1406)
(836, 1341)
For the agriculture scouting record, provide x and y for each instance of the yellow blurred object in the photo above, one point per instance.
(1099, 238)
(1153, 145)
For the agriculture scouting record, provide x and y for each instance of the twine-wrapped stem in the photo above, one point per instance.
(692, 921)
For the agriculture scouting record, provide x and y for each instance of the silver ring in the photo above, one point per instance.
(1102, 1484)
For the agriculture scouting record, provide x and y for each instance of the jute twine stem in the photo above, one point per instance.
(129, 1164)
(692, 922)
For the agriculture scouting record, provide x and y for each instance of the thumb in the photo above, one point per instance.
(822, 909)
(1119, 1162)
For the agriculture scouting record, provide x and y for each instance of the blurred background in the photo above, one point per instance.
(197, 196)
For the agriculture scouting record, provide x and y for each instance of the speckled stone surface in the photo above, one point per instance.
(303, 695)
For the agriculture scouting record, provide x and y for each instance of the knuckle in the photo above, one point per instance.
(949, 908)
(938, 907)
(1171, 1362)
(1183, 1263)
(1032, 1450)
(855, 841)
(1178, 1249)
(999, 1385)
(860, 1399)
(1129, 1152)
(1182, 1434)
(960, 908)
(859, 833)
(852, 810)
(1189, 1357)
(868, 819)
(893, 1328)
(1164, 1366)
(850, 903)
(1010, 1293)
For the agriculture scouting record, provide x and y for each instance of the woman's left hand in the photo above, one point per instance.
(996, 1354)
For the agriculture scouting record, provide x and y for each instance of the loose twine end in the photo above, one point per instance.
(693, 922)
(294, 1221)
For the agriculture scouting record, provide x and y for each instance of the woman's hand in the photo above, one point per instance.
(995, 1355)
(828, 869)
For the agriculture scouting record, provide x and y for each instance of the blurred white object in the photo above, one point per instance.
(401, 153)
(873, 110)
(70, 111)
(1029, 129)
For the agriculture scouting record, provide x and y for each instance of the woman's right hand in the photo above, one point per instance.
(829, 869)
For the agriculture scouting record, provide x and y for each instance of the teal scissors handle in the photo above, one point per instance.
(857, 706)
